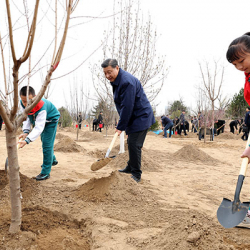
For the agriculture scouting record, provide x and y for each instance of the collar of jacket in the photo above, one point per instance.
(118, 78)
(36, 108)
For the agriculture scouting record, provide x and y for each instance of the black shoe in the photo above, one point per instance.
(55, 162)
(42, 177)
(125, 170)
(135, 178)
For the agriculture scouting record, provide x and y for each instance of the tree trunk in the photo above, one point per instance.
(77, 131)
(14, 180)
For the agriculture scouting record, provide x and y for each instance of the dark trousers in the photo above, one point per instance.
(94, 126)
(135, 143)
(48, 138)
(1, 122)
(231, 128)
(183, 127)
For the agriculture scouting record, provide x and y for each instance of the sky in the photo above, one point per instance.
(189, 32)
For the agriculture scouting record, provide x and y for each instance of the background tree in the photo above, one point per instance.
(12, 122)
(132, 41)
(237, 106)
(175, 108)
(212, 84)
(65, 118)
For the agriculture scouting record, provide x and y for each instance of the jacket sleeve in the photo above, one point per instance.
(26, 124)
(127, 95)
(39, 127)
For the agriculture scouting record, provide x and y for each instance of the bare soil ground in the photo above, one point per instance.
(173, 207)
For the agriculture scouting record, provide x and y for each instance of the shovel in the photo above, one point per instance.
(7, 162)
(103, 162)
(232, 213)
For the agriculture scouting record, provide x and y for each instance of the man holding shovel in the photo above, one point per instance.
(135, 111)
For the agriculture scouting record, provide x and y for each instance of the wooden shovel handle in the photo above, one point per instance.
(244, 163)
(113, 141)
(111, 144)
(220, 127)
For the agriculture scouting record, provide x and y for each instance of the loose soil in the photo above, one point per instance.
(174, 206)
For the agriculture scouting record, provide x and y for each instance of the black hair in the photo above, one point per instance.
(238, 47)
(109, 62)
(23, 91)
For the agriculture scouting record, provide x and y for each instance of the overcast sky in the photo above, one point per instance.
(189, 32)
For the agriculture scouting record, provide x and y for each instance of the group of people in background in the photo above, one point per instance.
(179, 124)
(244, 125)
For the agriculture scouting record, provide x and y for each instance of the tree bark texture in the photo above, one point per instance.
(14, 180)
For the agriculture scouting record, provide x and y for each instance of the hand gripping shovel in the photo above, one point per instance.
(7, 162)
(103, 162)
(231, 214)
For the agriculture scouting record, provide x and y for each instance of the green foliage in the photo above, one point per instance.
(175, 108)
(237, 107)
(65, 118)
(155, 126)
(175, 113)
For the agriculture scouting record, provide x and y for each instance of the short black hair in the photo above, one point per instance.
(238, 47)
(109, 62)
(23, 91)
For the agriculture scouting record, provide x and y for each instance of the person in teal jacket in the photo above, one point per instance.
(44, 118)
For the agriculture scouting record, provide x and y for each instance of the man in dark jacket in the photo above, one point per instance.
(247, 125)
(79, 120)
(166, 124)
(135, 111)
(182, 123)
(100, 122)
(233, 125)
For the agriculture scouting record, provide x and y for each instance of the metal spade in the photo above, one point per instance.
(232, 213)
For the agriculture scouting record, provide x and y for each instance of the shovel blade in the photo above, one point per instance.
(230, 215)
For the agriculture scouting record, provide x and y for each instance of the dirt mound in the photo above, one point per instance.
(97, 153)
(190, 230)
(192, 153)
(229, 136)
(61, 136)
(28, 186)
(67, 145)
(147, 164)
(44, 229)
(115, 187)
(3, 179)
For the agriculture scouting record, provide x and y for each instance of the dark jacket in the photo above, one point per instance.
(131, 102)
(234, 123)
(165, 120)
(100, 119)
(182, 118)
(247, 119)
